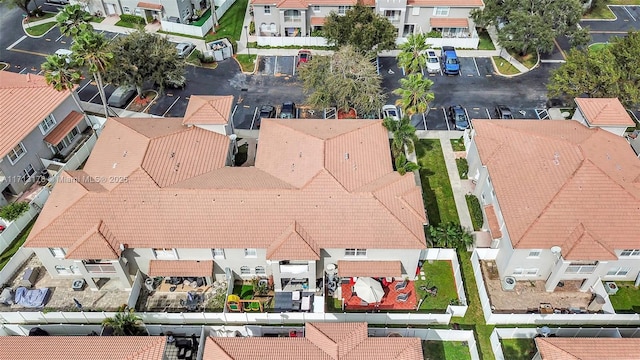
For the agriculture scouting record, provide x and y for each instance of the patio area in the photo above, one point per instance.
(110, 297)
(528, 295)
(388, 302)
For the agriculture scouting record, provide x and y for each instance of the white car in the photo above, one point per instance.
(433, 63)
(64, 53)
(391, 111)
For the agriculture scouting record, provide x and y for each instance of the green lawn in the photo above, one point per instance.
(440, 274)
(603, 12)
(597, 46)
(244, 291)
(458, 144)
(15, 245)
(97, 19)
(627, 299)
(436, 187)
(41, 17)
(463, 168)
(445, 350)
(518, 349)
(505, 67)
(529, 60)
(475, 210)
(127, 24)
(230, 23)
(41, 29)
(485, 41)
(247, 62)
(203, 18)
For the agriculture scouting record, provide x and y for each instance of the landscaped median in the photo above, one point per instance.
(39, 30)
(602, 11)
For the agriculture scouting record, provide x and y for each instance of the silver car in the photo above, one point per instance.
(433, 63)
(121, 96)
(184, 49)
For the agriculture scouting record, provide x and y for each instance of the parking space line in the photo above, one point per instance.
(85, 85)
(468, 118)
(60, 37)
(424, 121)
(294, 65)
(446, 121)
(629, 12)
(489, 115)
(476, 64)
(98, 93)
(174, 102)
(17, 42)
(110, 40)
(22, 71)
(275, 66)
(253, 120)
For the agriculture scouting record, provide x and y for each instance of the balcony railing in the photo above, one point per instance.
(293, 19)
(100, 268)
(294, 269)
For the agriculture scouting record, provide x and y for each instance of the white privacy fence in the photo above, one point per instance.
(14, 264)
(291, 41)
(14, 228)
(571, 319)
(436, 254)
(193, 30)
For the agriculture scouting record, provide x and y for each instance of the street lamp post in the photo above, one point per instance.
(246, 33)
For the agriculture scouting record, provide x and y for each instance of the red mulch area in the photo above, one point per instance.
(389, 302)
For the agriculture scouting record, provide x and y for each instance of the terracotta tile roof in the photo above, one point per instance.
(97, 243)
(294, 244)
(181, 268)
(444, 22)
(604, 111)
(208, 110)
(81, 347)
(450, 3)
(322, 341)
(16, 92)
(492, 220)
(62, 129)
(551, 177)
(256, 211)
(264, 2)
(317, 20)
(292, 4)
(303, 4)
(150, 6)
(369, 268)
(557, 348)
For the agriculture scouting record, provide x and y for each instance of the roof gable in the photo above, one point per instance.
(208, 110)
(558, 348)
(294, 244)
(97, 243)
(604, 111)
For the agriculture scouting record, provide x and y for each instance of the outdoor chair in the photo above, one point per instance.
(401, 285)
(403, 297)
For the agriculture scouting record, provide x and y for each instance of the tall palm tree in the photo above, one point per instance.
(125, 323)
(450, 235)
(412, 57)
(414, 94)
(404, 135)
(90, 50)
(404, 166)
(73, 20)
(62, 74)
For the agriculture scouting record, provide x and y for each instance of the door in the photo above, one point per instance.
(111, 9)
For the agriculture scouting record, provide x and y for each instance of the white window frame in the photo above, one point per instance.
(260, 270)
(126, 10)
(355, 252)
(267, 9)
(245, 270)
(28, 172)
(534, 253)
(217, 253)
(17, 154)
(342, 9)
(580, 269)
(392, 15)
(61, 270)
(47, 124)
(315, 8)
(165, 253)
(630, 252)
(415, 11)
(57, 253)
(75, 270)
(250, 253)
(66, 141)
(525, 272)
(441, 11)
(618, 271)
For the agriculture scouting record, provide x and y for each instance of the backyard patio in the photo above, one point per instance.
(393, 293)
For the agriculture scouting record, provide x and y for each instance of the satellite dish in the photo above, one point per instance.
(556, 250)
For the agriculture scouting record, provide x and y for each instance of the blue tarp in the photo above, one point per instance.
(31, 298)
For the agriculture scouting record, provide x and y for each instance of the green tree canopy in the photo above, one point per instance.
(532, 25)
(62, 74)
(345, 79)
(361, 28)
(22, 4)
(125, 323)
(450, 235)
(404, 135)
(412, 57)
(143, 57)
(415, 94)
(73, 20)
(609, 72)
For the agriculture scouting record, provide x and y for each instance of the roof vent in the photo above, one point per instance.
(346, 156)
(115, 164)
(293, 167)
(300, 154)
(173, 154)
(125, 154)
(556, 159)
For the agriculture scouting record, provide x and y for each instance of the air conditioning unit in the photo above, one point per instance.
(611, 287)
(508, 283)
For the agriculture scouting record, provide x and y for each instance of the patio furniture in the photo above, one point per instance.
(306, 303)
(402, 285)
(369, 289)
(295, 296)
(403, 297)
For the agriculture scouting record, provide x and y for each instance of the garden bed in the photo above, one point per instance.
(142, 104)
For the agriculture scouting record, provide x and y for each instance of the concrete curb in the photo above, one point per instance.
(615, 17)
(495, 67)
(24, 28)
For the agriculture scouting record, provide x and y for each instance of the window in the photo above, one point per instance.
(162, 253)
(441, 11)
(218, 253)
(581, 268)
(66, 141)
(355, 252)
(75, 270)
(47, 124)
(292, 16)
(57, 252)
(61, 270)
(618, 272)
(16, 153)
(408, 30)
(534, 253)
(630, 252)
(343, 9)
(250, 253)
(315, 8)
(267, 10)
(260, 270)
(126, 10)
(415, 11)
(244, 270)
(392, 15)
(28, 172)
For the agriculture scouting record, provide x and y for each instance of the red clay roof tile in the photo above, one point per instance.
(208, 110)
(62, 129)
(557, 348)
(604, 111)
(181, 268)
(348, 268)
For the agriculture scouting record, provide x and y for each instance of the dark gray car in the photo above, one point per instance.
(121, 96)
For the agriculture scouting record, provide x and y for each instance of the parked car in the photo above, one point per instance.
(391, 111)
(266, 112)
(184, 49)
(179, 82)
(288, 110)
(61, 2)
(503, 112)
(304, 56)
(64, 53)
(450, 61)
(121, 96)
(458, 116)
(433, 63)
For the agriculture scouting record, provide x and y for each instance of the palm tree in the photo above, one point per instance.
(73, 20)
(411, 57)
(90, 50)
(125, 323)
(62, 74)
(414, 94)
(404, 135)
(450, 235)
(404, 166)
